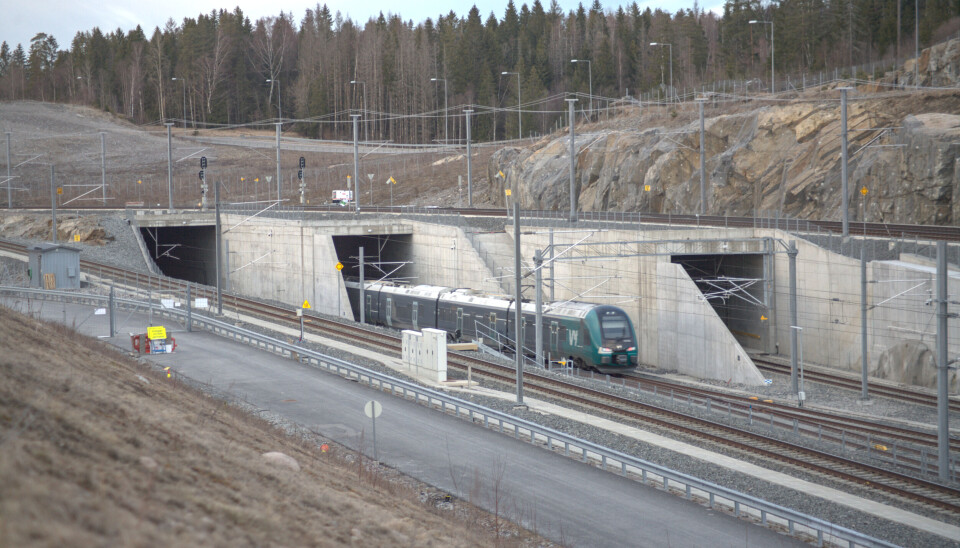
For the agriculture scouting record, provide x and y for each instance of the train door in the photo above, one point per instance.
(459, 322)
(554, 337)
(493, 322)
(415, 315)
(390, 311)
(368, 308)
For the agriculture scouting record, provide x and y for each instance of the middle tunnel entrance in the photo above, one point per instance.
(386, 256)
(733, 284)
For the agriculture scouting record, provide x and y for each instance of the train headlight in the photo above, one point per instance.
(631, 349)
(605, 350)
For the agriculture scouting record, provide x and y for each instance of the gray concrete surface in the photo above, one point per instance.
(571, 503)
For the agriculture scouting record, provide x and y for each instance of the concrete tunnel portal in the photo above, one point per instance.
(734, 285)
(188, 253)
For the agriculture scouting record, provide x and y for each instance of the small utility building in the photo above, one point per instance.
(54, 266)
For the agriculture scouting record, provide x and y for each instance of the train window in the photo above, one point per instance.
(584, 334)
(615, 326)
(416, 309)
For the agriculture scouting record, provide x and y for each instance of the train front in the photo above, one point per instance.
(617, 345)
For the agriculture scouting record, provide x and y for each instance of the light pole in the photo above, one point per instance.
(801, 395)
(773, 87)
(519, 112)
(366, 128)
(590, 75)
(169, 167)
(446, 138)
(661, 44)
(279, 129)
(184, 82)
(279, 98)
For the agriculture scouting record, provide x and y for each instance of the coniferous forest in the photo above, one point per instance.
(315, 69)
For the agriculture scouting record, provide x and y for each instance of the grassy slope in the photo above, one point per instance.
(79, 423)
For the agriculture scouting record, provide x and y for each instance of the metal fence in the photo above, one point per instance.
(718, 497)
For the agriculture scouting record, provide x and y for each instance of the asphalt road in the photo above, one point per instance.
(562, 499)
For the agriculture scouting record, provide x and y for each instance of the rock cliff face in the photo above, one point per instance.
(779, 160)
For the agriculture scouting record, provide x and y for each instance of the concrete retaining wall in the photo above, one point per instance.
(901, 320)
(675, 330)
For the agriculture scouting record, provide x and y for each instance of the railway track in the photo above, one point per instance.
(940, 498)
(908, 395)
(825, 425)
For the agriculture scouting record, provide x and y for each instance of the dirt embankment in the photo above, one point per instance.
(70, 228)
(96, 449)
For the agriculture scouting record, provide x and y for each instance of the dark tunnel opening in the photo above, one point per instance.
(187, 252)
(385, 256)
(733, 285)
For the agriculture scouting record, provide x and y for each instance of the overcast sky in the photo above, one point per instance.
(23, 19)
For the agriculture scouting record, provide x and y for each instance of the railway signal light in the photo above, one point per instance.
(203, 162)
(303, 163)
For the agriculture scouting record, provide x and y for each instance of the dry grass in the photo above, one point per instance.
(97, 449)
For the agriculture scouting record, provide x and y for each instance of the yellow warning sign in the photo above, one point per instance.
(339, 266)
(863, 191)
(306, 304)
(257, 180)
(763, 318)
(156, 333)
(59, 190)
(76, 237)
(392, 180)
(500, 173)
(646, 188)
(139, 181)
(508, 192)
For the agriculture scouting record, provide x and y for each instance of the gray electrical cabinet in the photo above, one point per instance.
(54, 266)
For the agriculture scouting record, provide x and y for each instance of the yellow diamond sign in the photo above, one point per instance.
(646, 188)
(863, 191)
(508, 192)
(339, 266)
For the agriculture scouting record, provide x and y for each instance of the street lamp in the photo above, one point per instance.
(671, 62)
(446, 138)
(590, 73)
(519, 112)
(773, 87)
(184, 82)
(366, 128)
(279, 99)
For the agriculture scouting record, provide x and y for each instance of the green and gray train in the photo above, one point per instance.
(591, 336)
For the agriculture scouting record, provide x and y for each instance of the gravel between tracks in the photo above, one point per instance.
(125, 252)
